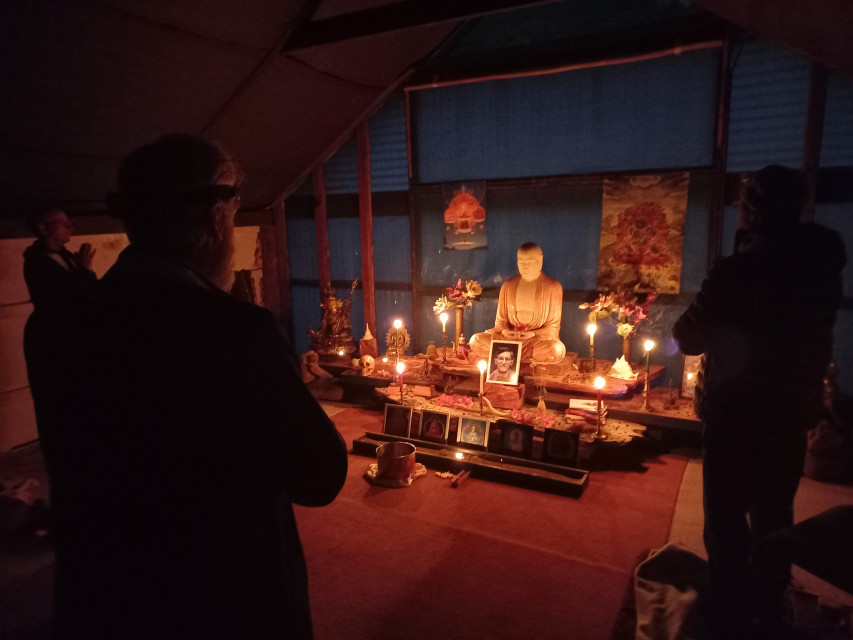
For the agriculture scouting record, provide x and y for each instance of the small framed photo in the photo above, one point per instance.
(560, 447)
(473, 432)
(504, 361)
(689, 374)
(434, 426)
(517, 439)
(397, 420)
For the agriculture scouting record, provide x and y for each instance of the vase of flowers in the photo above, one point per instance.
(457, 298)
(629, 312)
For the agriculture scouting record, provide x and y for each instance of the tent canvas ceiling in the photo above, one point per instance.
(84, 82)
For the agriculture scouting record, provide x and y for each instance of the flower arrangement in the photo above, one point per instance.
(453, 400)
(538, 419)
(459, 295)
(624, 303)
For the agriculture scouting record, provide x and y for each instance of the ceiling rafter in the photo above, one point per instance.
(396, 17)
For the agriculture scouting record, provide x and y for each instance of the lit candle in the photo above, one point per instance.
(599, 385)
(481, 365)
(401, 367)
(591, 328)
(443, 318)
(648, 345)
(397, 325)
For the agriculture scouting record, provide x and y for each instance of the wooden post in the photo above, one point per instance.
(413, 243)
(321, 218)
(721, 150)
(813, 135)
(276, 269)
(365, 215)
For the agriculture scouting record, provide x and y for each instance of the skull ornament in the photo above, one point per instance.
(368, 364)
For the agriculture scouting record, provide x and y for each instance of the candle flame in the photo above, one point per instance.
(398, 323)
(459, 455)
(443, 318)
(649, 345)
(385, 359)
(591, 328)
(690, 376)
(599, 383)
(340, 352)
(401, 367)
(481, 365)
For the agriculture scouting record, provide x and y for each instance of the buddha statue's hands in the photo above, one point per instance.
(521, 332)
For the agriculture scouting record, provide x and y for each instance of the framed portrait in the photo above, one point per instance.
(504, 362)
(473, 432)
(397, 420)
(517, 439)
(560, 447)
(689, 374)
(434, 426)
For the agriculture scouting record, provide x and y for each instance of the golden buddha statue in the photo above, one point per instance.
(530, 308)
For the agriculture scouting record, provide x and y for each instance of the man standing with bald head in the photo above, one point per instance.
(50, 270)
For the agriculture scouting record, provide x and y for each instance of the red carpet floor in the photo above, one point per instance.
(485, 560)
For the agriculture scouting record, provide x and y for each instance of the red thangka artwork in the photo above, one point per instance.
(465, 216)
(642, 232)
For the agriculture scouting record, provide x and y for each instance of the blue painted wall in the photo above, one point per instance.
(645, 115)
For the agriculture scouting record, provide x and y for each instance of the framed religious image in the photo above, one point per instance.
(517, 439)
(397, 420)
(560, 447)
(504, 361)
(434, 425)
(473, 432)
(689, 374)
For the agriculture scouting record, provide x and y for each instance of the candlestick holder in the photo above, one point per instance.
(599, 411)
(646, 406)
(444, 350)
(481, 404)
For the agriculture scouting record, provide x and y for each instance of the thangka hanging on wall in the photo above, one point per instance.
(642, 232)
(465, 215)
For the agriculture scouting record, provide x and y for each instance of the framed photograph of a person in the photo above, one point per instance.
(504, 361)
(560, 447)
(434, 426)
(397, 420)
(473, 432)
(517, 439)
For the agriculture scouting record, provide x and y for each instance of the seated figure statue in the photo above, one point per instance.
(530, 307)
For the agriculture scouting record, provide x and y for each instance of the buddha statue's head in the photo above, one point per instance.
(529, 261)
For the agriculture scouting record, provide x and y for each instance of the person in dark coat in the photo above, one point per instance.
(175, 427)
(764, 319)
(50, 270)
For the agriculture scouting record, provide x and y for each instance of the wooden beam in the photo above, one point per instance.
(396, 17)
(813, 135)
(283, 268)
(413, 246)
(366, 225)
(721, 151)
(324, 268)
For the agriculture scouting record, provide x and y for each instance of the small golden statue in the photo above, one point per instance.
(334, 337)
